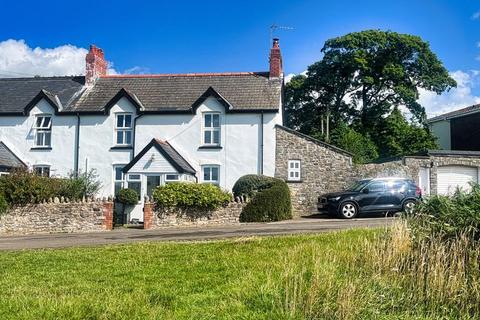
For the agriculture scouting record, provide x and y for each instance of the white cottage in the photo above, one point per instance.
(142, 131)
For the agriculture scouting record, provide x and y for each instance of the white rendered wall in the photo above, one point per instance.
(18, 134)
(96, 140)
(240, 141)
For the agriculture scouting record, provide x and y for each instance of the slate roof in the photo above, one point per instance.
(455, 114)
(170, 154)
(8, 159)
(17, 93)
(242, 92)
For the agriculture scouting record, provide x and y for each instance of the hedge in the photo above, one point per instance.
(249, 184)
(271, 204)
(3, 204)
(22, 187)
(187, 195)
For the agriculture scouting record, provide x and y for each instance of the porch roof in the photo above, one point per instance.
(168, 152)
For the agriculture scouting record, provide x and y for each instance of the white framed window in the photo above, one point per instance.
(118, 178)
(134, 182)
(211, 128)
(172, 178)
(42, 170)
(211, 174)
(294, 170)
(123, 129)
(43, 130)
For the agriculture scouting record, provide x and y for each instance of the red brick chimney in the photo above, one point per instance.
(276, 69)
(96, 65)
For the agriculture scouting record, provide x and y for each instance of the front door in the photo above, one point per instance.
(153, 181)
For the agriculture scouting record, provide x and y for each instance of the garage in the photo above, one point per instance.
(452, 177)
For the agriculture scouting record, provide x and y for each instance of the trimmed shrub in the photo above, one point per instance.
(271, 204)
(448, 216)
(186, 195)
(250, 184)
(3, 204)
(127, 197)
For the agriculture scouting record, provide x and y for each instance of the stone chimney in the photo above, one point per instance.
(276, 69)
(96, 65)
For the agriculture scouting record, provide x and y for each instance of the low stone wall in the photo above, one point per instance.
(159, 218)
(58, 216)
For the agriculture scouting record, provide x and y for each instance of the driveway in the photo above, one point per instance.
(122, 235)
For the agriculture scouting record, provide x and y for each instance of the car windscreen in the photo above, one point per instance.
(358, 185)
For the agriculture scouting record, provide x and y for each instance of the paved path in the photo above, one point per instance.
(122, 235)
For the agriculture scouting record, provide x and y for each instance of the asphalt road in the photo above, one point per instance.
(123, 235)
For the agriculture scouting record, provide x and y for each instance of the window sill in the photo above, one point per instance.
(294, 181)
(121, 148)
(207, 147)
(41, 148)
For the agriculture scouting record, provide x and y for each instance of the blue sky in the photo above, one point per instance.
(215, 36)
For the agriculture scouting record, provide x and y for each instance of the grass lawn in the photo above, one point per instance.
(252, 278)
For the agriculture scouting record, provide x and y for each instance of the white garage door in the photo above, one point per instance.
(451, 177)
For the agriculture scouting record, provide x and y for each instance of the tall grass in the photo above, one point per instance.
(393, 273)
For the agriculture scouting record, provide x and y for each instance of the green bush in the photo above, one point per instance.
(448, 216)
(186, 195)
(21, 187)
(271, 204)
(127, 197)
(3, 204)
(249, 184)
(85, 184)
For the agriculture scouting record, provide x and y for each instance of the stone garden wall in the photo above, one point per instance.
(58, 215)
(155, 218)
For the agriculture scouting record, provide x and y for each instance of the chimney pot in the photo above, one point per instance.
(276, 68)
(96, 65)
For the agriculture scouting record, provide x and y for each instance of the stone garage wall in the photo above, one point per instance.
(156, 218)
(409, 167)
(324, 168)
(58, 215)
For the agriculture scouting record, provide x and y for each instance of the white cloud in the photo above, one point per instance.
(137, 70)
(18, 59)
(289, 76)
(457, 98)
(476, 15)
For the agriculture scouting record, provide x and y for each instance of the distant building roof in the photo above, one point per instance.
(9, 160)
(455, 114)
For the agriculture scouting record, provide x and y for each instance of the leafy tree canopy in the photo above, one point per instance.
(362, 80)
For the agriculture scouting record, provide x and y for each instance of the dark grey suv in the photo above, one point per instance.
(371, 195)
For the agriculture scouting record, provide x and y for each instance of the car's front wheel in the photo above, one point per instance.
(409, 206)
(348, 210)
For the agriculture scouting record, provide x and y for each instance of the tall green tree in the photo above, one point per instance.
(361, 79)
(396, 136)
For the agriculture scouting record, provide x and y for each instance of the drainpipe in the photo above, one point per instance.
(261, 143)
(77, 147)
(134, 135)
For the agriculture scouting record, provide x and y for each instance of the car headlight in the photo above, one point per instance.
(334, 199)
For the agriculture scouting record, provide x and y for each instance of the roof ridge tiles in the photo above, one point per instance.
(208, 74)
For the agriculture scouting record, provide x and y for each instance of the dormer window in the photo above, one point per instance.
(123, 129)
(211, 129)
(43, 130)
